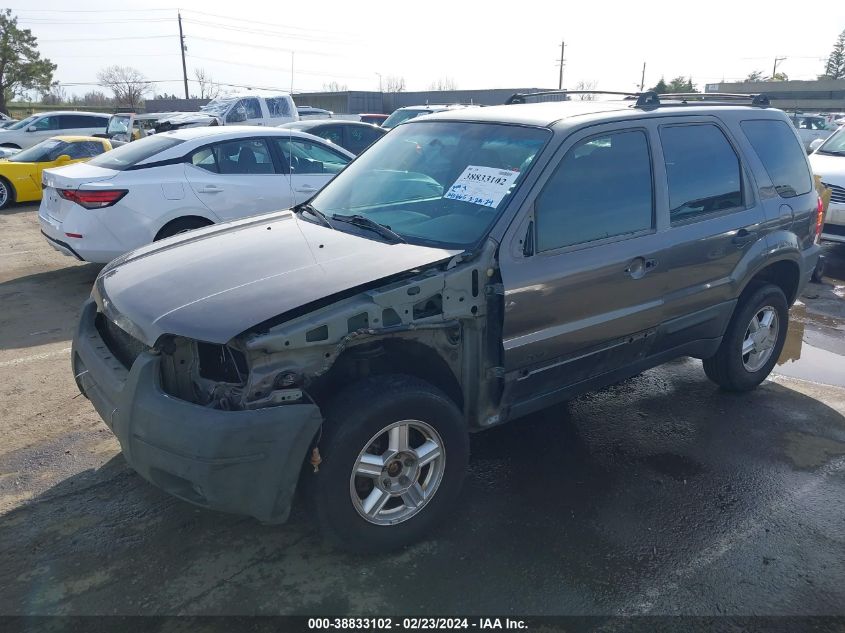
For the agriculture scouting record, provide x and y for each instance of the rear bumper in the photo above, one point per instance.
(244, 462)
(98, 244)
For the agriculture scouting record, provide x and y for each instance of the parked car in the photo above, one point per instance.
(248, 108)
(828, 163)
(308, 112)
(411, 112)
(124, 127)
(812, 128)
(177, 181)
(39, 127)
(20, 173)
(350, 135)
(470, 268)
(375, 119)
(6, 120)
(5, 152)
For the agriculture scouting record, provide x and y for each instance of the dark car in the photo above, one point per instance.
(375, 119)
(350, 135)
(472, 267)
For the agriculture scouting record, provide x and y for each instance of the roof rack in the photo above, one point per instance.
(651, 99)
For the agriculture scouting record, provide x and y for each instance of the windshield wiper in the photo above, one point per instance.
(366, 223)
(316, 213)
(831, 152)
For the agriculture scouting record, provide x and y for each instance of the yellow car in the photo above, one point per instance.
(20, 174)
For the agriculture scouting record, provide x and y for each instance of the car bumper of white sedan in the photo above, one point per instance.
(80, 235)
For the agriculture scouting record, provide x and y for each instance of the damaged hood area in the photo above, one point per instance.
(188, 119)
(214, 283)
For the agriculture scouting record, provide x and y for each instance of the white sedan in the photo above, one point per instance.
(176, 181)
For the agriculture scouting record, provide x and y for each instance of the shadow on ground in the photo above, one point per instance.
(47, 305)
(660, 491)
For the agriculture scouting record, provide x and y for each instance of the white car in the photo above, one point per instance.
(246, 108)
(812, 128)
(176, 181)
(39, 127)
(828, 163)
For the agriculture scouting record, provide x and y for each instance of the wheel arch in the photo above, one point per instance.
(784, 273)
(13, 193)
(393, 355)
(197, 217)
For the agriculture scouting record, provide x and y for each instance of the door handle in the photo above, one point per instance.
(306, 189)
(210, 189)
(743, 237)
(639, 266)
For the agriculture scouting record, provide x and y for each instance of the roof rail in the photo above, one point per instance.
(726, 98)
(650, 98)
(520, 97)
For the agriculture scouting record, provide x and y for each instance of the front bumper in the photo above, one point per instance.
(244, 462)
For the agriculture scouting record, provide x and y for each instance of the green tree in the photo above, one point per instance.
(835, 66)
(660, 87)
(682, 84)
(756, 75)
(21, 66)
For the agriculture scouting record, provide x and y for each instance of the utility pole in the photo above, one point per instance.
(560, 77)
(642, 79)
(182, 48)
(778, 60)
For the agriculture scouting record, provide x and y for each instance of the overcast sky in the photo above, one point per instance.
(492, 44)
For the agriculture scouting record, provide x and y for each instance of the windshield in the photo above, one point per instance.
(835, 144)
(45, 151)
(22, 124)
(118, 124)
(399, 116)
(218, 106)
(133, 153)
(436, 183)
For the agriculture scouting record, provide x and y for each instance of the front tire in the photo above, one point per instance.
(395, 451)
(753, 341)
(7, 193)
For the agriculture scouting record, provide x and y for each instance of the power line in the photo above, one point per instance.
(261, 22)
(108, 39)
(280, 68)
(227, 27)
(269, 48)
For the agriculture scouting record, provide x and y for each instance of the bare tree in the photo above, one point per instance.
(128, 84)
(586, 85)
(443, 83)
(208, 88)
(394, 83)
(334, 86)
(55, 95)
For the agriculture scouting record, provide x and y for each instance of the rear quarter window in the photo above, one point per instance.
(131, 154)
(781, 155)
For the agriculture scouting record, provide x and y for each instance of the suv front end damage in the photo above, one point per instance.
(207, 421)
(245, 462)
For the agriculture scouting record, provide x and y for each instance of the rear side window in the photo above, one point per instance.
(75, 121)
(133, 153)
(781, 155)
(243, 156)
(360, 138)
(278, 107)
(702, 169)
(602, 188)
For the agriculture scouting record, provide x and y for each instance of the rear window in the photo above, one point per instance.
(133, 153)
(781, 155)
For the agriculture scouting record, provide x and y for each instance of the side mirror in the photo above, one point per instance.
(31, 128)
(64, 158)
(817, 144)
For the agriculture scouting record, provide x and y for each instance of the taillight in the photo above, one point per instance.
(93, 199)
(819, 221)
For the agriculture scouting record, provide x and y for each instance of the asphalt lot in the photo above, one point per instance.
(661, 495)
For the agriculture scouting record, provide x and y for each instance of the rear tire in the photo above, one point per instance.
(408, 485)
(7, 193)
(180, 225)
(753, 341)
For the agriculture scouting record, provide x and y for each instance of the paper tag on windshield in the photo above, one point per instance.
(482, 185)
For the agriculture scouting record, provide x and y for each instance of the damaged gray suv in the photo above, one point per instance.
(470, 268)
